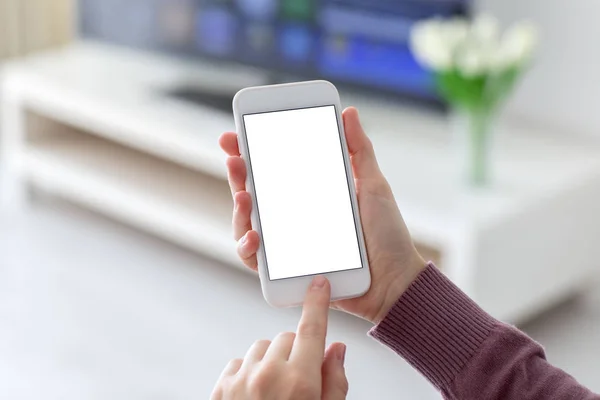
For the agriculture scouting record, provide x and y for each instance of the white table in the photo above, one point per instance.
(90, 123)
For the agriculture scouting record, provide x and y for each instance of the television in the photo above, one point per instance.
(360, 43)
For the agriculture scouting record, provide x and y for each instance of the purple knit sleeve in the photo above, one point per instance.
(464, 352)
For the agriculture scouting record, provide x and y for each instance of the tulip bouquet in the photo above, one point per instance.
(475, 69)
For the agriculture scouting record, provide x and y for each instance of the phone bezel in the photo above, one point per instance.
(291, 291)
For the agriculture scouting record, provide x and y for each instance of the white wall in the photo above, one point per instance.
(562, 91)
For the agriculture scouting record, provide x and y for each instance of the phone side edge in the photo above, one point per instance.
(243, 148)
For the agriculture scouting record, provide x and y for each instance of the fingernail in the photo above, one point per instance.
(319, 282)
(341, 354)
(244, 240)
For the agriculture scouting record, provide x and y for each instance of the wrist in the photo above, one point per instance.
(396, 287)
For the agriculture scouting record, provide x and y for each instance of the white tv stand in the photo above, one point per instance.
(89, 123)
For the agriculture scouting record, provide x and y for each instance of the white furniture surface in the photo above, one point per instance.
(91, 123)
(94, 311)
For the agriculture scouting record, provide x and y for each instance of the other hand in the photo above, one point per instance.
(294, 366)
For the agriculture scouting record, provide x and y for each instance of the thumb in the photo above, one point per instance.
(364, 163)
(335, 384)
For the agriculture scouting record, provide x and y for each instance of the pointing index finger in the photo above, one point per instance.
(309, 345)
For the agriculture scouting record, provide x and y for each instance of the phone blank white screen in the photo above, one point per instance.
(302, 192)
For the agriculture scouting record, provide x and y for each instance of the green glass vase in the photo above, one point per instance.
(473, 131)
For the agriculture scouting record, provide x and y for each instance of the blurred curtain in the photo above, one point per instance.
(30, 25)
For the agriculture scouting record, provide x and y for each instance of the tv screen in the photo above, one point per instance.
(358, 42)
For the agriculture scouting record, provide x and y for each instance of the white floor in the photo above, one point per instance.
(90, 309)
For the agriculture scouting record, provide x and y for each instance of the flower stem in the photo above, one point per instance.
(479, 127)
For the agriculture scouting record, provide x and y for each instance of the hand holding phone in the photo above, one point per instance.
(393, 260)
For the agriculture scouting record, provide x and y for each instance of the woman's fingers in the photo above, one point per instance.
(247, 248)
(335, 383)
(364, 163)
(242, 207)
(309, 345)
(229, 143)
(248, 240)
(281, 347)
(236, 174)
(232, 367)
(256, 352)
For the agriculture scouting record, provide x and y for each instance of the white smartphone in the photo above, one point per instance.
(300, 179)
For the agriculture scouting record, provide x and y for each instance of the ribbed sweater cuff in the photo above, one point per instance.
(435, 327)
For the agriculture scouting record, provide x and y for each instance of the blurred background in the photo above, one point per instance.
(118, 273)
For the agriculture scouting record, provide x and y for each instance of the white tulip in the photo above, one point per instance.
(475, 49)
(485, 30)
(455, 32)
(519, 43)
(428, 46)
(471, 62)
